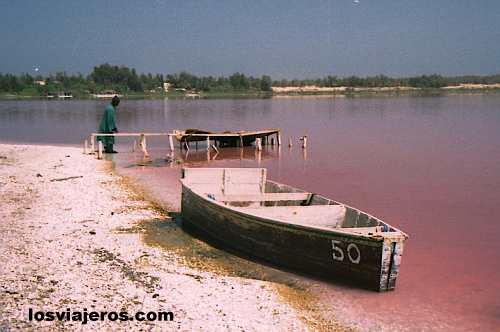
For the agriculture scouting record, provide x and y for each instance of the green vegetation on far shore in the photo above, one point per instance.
(122, 80)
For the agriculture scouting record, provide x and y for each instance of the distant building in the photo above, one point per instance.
(107, 94)
(42, 83)
(166, 86)
(65, 95)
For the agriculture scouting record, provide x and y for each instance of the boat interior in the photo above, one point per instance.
(247, 190)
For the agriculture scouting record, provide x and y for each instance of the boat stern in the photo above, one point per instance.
(392, 253)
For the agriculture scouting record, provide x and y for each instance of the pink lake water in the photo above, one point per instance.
(427, 165)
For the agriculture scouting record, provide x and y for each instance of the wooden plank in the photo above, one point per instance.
(171, 142)
(225, 180)
(244, 175)
(268, 197)
(243, 180)
(203, 175)
(385, 267)
(234, 134)
(238, 188)
(351, 217)
(363, 230)
(132, 134)
(258, 144)
(143, 145)
(397, 255)
(263, 179)
(324, 216)
(99, 150)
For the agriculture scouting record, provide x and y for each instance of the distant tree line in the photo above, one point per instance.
(126, 80)
(235, 82)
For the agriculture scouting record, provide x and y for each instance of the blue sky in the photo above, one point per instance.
(286, 39)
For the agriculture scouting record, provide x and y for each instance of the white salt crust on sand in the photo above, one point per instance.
(59, 249)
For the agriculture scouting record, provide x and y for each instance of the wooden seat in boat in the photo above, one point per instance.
(326, 216)
(264, 197)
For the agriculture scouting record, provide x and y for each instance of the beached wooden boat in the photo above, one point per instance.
(289, 227)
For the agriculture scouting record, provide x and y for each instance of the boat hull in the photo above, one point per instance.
(370, 262)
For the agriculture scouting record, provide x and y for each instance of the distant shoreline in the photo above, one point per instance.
(344, 90)
(292, 91)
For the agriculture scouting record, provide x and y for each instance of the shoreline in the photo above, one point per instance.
(293, 92)
(66, 221)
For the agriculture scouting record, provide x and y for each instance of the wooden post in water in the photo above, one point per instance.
(85, 147)
(143, 145)
(208, 143)
(99, 150)
(92, 146)
(241, 141)
(258, 143)
(272, 141)
(279, 138)
(170, 157)
(304, 141)
(290, 142)
(134, 147)
(171, 142)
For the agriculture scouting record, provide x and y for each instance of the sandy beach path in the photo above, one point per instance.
(60, 248)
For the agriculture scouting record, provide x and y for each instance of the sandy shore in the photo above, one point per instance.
(63, 246)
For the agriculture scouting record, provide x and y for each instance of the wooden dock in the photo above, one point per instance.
(185, 137)
(229, 139)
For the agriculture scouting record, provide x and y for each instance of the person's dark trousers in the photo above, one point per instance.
(108, 148)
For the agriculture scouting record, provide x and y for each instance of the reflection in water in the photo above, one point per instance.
(224, 154)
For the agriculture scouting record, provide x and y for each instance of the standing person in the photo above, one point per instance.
(108, 125)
